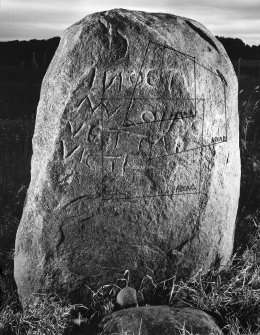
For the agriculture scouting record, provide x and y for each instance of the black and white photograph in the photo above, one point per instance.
(130, 167)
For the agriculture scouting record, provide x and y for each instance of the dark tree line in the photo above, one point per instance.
(23, 52)
(236, 49)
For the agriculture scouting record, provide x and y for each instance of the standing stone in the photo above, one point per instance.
(135, 156)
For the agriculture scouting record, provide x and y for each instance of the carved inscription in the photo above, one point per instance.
(149, 158)
(147, 134)
(141, 132)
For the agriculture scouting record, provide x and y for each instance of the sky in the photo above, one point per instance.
(42, 19)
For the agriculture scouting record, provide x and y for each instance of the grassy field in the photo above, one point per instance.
(19, 91)
(16, 151)
(231, 295)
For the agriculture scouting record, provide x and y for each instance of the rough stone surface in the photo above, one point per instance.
(127, 297)
(135, 156)
(163, 320)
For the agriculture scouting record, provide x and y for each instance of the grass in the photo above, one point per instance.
(231, 295)
(46, 315)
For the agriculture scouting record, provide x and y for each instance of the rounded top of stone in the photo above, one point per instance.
(189, 35)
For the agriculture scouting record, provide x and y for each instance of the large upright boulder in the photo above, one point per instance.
(135, 156)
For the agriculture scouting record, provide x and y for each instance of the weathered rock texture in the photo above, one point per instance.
(163, 320)
(135, 156)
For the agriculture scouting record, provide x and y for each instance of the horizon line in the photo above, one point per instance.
(58, 36)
